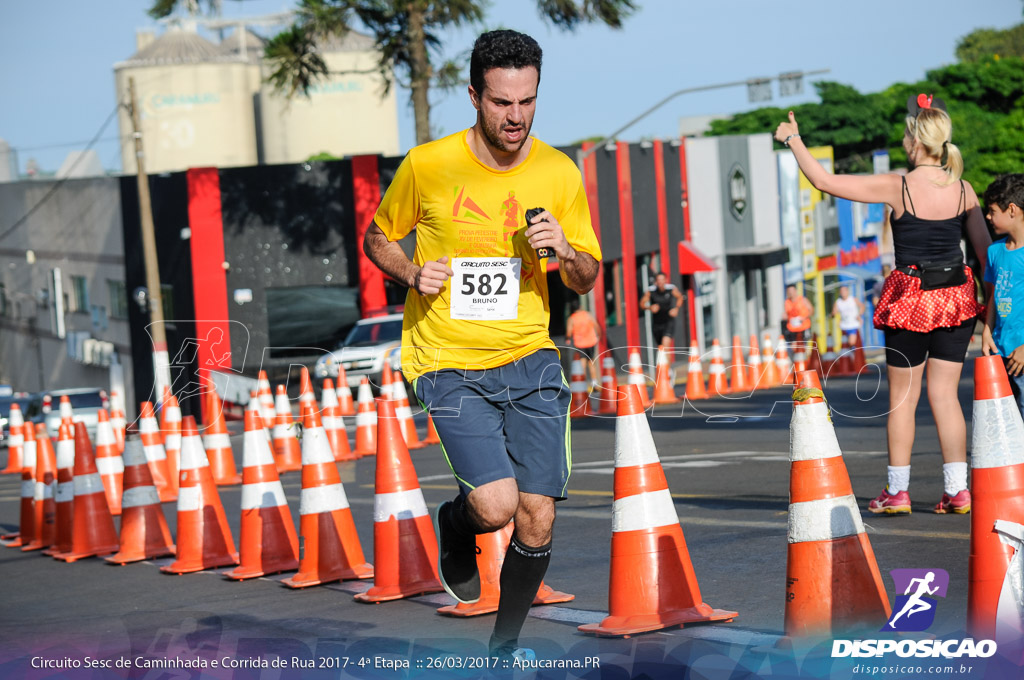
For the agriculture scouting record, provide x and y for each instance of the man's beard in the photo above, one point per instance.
(493, 136)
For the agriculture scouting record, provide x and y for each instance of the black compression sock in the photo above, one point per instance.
(521, 576)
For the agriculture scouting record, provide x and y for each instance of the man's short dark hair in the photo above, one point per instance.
(1006, 189)
(502, 49)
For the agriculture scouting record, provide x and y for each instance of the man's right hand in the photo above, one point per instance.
(654, 308)
(431, 277)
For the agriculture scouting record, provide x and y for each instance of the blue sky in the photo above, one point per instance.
(57, 59)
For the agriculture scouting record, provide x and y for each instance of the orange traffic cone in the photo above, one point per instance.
(799, 361)
(754, 363)
(814, 359)
(716, 371)
(609, 385)
(66, 411)
(15, 441)
(64, 493)
(170, 429)
(286, 440)
(366, 421)
(695, 376)
(994, 606)
(204, 537)
(93, 530)
(664, 380)
(580, 403)
(490, 556)
(431, 437)
(845, 351)
(637, 376)
(155, 454)
(387, 379)
(144, 531)
(404, 542)
(858, 353)
(27, 520)
(334, 424)
(330, 545)
(109, 463)
(783, 365)
(306, 393)
(739, 372)
(833, 583)
(652, 584)
(268, 541)
(44, 505)
(404, 412)
(217, 443)
(344, 393)
(770, 376)
(118, 422)
(266, 400)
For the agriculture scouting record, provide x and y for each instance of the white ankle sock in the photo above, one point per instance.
(899, 479)
(954, 477)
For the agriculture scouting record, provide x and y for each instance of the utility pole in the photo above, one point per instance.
(157, 328)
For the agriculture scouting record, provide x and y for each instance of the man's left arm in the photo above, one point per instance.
(577, 268)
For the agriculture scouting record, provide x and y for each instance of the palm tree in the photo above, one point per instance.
(406, 32)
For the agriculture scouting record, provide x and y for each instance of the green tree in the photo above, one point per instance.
(406, 33)
(986, 43)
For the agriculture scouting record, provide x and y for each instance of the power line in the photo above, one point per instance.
(59, 183)
(62, 145)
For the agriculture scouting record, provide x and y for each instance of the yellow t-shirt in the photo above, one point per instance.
(464, 209)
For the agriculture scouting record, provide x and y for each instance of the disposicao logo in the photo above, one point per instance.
(914, 611)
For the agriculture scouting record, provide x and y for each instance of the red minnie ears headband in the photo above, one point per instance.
(917, 103)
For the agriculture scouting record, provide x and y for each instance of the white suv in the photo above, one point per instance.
(369, 344)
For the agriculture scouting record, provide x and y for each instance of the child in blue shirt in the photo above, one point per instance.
(1004, 275)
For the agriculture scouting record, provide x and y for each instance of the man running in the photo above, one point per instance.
(475, 336)
(664, 301)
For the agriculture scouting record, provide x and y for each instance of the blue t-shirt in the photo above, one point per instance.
(1006, 270)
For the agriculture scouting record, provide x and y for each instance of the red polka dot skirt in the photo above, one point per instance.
(904, 305)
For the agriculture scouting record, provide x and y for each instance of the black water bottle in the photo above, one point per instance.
(530, 214)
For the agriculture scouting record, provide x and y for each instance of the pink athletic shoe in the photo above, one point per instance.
(960, 503)
(898, 504)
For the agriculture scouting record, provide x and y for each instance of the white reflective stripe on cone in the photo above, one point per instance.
(811, 434)
(997, 434)
(1010, 607)
(218, 440)
(110, 465)
(317, 449)
(139, 496)
(825, 519)
(634, 444)
(193, 457)
(190, 498)
(331, 423)
(283, 431)
(15, 440)
(399, 504)
(134, 453)
(105, 436)
(28, 488)
(637, 379)
(88, 484)
(322, 499)
(254, 496)
(403, 413)
(172, 442)
(65, 492)
(366, 418)
(44, 491)
(155, 452)
(257, 452)
(65, 454)
(28, 454)
(644, 511)
(148, 426)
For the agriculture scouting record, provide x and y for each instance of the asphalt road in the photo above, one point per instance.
(727, 465)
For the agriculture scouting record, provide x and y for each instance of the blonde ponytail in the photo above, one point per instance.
(934, 130)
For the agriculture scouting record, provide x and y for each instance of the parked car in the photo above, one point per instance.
(44, 407)
(22, 399)
(369, 344)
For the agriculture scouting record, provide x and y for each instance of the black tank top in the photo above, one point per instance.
(917, 239)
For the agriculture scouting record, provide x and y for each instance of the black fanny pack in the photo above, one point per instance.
(935, 275)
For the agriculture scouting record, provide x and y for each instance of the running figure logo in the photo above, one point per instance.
(914, 610)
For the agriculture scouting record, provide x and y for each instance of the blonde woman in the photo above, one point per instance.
(927, 307)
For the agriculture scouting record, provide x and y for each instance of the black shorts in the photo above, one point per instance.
(905, 349)
(589, 352)
(662, 328)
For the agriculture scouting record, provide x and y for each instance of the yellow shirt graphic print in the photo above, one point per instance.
(464, 209)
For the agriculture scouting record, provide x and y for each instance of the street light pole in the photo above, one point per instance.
(157, 328)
